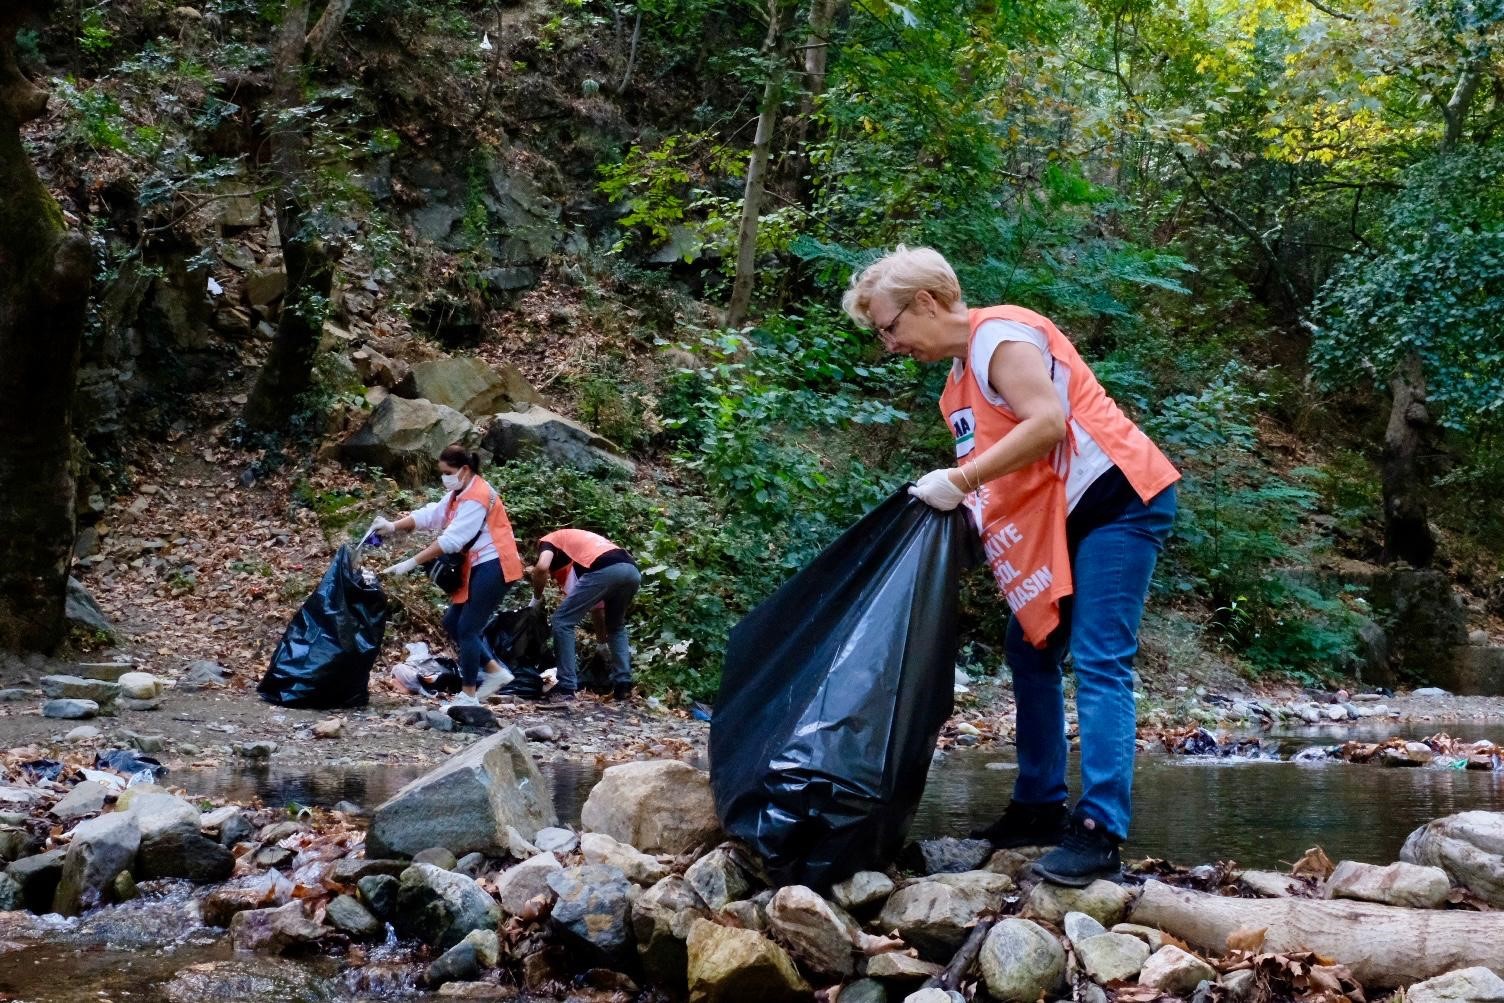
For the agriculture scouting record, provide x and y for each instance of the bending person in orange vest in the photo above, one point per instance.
(472, 519)
(597, 577)
(1073, 503)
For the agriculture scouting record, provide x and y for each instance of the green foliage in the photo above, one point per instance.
(657, 186)
(1243, 540)
(95, 116)
(1434, 287)
(95, 37)
(619, 409)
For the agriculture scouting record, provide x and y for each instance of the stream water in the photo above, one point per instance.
(1187, 810)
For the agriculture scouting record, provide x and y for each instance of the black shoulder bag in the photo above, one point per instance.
(447, 571)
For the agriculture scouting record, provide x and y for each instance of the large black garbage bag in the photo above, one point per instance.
(834, 691)
(522, 639)
(325, 657)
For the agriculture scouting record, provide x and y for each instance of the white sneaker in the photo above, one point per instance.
(462, 699)
(490, 682)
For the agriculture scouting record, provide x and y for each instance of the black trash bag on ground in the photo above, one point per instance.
(325, 657)
(449, 679)
(522, 639)
(595, 673)
(834, 691)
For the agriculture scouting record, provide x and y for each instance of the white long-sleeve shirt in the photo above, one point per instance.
(469, 516)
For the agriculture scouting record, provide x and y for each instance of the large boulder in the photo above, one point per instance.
(64, 687)
(172, 845)
(661, 918)
(439, 907)
(1103, 901)
(81, 610)
(468, 385)
(1469, 846)
(819, 936)
(592, 913)
(1021, 961)
(513, 434)
(728, 965)
(1399, 884)
(405, 437)
(467, 804)
(101, 849)
(661, 806)
(935, 916)
(1466, 985)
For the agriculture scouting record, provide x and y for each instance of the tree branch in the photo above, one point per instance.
(1327, 10)
(327, 28)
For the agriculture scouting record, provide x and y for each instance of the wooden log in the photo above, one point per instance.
(1384, 946)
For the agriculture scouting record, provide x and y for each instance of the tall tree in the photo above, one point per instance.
(307, 257)
(775, 54)
(44, 285)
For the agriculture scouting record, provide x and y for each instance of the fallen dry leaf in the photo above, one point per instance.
(1314, 863)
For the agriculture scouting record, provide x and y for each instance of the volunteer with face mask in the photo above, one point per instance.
(472, 521)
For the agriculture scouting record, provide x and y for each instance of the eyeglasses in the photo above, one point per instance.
(885, 331)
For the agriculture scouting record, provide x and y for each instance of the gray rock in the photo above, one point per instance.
(749, 914)
(553, 839)
(468, 803)
(862, 889)
(101, 848)
(592, 913)
(80, 608)
(1079, 926)
(661, 918)
(16, 842)
(11, 896)
(1469, 846)
(639, 867)
(127, 703)
(1239, 987)
(516, 434)
(464, 961)
(149, 744)
(898, 966)
(404, 438)
(934, 916)
(78, 688)
(1175, 972)
(236, 829)
(1430, 691)
(439, 720)
(261, 749)
(83, 733)
(437, 856)
(864, 991)
(475, 718)
(15, 694)
(274, 857)
(203, 674)
(282, 930)
(1103, 901)
(346, 914)
(139, 686)
(38, 876)
(660, 806)
(245, 980)
(439, 907)
(1148, 934)
(505, 280)
(949, 855)
(85, 799)
(70, 710)
(819, 936)
(264, 286)
(934, 996)
(471, 864)
(1398, 884)
(521, 884)
(718, 878)
(1112, 957)
(379, 893)
(467, 385)
(1021, 962)
(1466, 985)
(727, 965)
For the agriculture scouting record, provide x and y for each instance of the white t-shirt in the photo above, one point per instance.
(469, 516)
(1089, 461)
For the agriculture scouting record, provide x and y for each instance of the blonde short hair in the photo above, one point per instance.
(902, 273)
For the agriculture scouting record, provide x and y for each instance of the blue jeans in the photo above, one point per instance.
(1111, 567)
(615, 585)
(465, 622)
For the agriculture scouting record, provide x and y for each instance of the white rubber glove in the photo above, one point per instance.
(384, 526)
(401, 567)
(936, 490)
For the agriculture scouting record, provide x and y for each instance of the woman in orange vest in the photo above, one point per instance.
(471, 519)
(597, 577)
(1073, 503)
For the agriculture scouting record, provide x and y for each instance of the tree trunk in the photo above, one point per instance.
(822, 17)
(1407, 531)
(757, 168)
(287, 373)
(1384, 946)
(45, 273)
(1456, 109)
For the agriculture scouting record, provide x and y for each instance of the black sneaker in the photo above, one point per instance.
(622, 691)
(1027, 825)
(1088, 852)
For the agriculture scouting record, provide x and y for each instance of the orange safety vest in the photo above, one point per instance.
(581, 546)
(498, 524)
(1021, 516)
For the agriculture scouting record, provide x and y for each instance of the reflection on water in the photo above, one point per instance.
(1193, 811)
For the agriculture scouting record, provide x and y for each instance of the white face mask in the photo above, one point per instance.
(451, 481)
